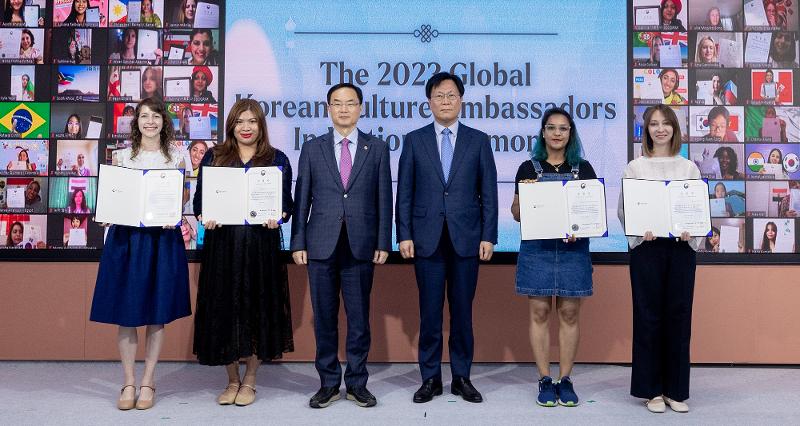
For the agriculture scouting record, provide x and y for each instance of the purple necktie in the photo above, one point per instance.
(345, 162)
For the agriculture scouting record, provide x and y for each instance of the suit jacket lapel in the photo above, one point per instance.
(462, 139)
(430, 144)
(330, 159)
(362, 151)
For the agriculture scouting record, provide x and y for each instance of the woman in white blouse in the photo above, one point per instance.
(662, 277)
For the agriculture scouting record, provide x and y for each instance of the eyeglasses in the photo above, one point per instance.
(439, 98)
(339, 105)
(553, 128)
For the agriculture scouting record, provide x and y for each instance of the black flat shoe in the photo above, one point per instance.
(361, 396)
(429, 389)
(463, 387)
(324, 397)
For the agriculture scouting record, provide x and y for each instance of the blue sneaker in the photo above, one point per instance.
(547, 392)
(566, 394)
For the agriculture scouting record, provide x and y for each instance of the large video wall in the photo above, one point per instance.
(71, 73)
(730, 70)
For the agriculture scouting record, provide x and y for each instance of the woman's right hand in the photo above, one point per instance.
(648, 236)
(211, 224)
(529, 180)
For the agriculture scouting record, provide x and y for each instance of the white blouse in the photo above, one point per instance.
(149, 159)
(658, 168)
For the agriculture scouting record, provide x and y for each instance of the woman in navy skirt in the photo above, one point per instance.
(143, 278)
(243, 307)
(559, 267)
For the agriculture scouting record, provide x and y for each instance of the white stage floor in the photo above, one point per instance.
(85, 393)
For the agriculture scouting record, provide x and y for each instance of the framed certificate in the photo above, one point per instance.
(31, 16)
(561, 209)
(141, 198)
(176, 53)
(130, 84)
(207, 15)
(177, 87)
(134, 11)
(146, 44)
(200, 127)
(670, 56)
(646, 16)
(237, 196)
(10, 38)
(667, 208)
(93, 15)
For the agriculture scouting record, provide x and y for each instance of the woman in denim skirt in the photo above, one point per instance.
(558, 267)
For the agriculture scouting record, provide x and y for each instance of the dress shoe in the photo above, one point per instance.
(677, 406)
(656, 405)
(142, 404)
(361, 396)
(429, 389)
(246, 395)
(228, 396)
(324, 397)
(126, 404)
(463, 387)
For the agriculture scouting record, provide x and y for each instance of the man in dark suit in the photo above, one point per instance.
(446, 220)
(342, 227)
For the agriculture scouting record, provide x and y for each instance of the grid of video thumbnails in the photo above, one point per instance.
(71, 74)
(729, 70)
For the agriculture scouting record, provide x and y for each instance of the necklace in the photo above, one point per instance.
(558, 166)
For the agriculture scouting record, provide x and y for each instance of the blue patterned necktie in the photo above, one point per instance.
(447, 153)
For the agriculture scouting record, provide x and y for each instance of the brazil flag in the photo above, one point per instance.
(25, 119)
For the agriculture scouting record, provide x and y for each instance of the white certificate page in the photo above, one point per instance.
(119, 196)
(586, 208)
(542, 211)
(689, 207)
(264, 194)
(645, 205)
(224, 195)
(163, 197)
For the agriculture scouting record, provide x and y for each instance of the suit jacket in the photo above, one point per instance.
(322, 203)
(467, 200)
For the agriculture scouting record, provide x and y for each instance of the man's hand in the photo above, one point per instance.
(380, 257)
(300, 257)
(407, 249)
(486, 250)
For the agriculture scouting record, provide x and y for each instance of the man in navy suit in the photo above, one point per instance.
(446, 220)
(341, 229)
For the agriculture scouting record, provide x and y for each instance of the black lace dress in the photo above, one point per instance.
(243, 295)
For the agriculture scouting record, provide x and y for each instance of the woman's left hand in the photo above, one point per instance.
(685, 236)
(271, 224)
(571, 239)
(168, 227)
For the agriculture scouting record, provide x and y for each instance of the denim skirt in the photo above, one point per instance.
(554, 268)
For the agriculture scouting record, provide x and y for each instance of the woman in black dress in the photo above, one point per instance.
(243, 295)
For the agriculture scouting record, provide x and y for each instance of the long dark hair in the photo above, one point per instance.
(765, 240)
(9, 241)
(73, 14)
(83, 207)
(573, 152)
(708, 245)
(8, 15)
(167, 130)
(227, 153)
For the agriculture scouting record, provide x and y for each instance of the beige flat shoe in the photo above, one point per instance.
(677, 406)
(228, 396)
(146, 404)
(246, 395)
(126, 404)
(656, 405)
